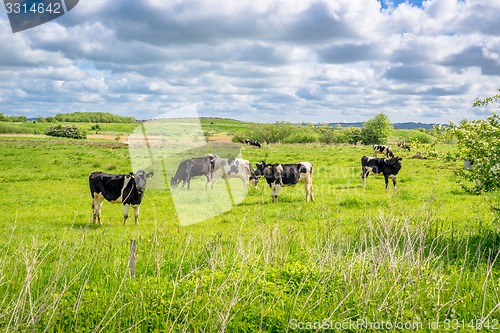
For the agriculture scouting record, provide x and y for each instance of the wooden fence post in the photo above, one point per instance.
(131, 261)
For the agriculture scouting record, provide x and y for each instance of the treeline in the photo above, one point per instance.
(14, 119)
(285, 132)
(93, 117)
(75, 117)
(376, 130)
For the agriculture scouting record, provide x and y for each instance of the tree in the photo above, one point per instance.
(479, 144)
(487, 100)
(376, 130)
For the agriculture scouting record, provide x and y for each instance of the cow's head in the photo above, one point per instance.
(140, 178)
(259, 168)
(254, 179)
(394, 162)
(174, 182)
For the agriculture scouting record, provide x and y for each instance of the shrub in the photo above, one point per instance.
(67, 132)
(376, 130)
(353, 135)
(299, 136)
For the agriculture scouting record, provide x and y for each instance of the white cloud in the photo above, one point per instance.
(325, 60)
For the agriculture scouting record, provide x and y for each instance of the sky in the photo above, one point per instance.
(258, 60)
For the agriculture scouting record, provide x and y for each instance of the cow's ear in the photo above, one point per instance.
(150, 174)
(130, 174)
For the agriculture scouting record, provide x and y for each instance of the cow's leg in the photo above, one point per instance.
(386, 178)
(126, 208)
(207, 177)
(364, 174)
(244, 179)
(136, 212)
(96, 205)
(394, 181)
(212, 182)
(309, 191)
(275, 191)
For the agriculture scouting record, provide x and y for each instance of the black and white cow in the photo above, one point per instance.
(380, 149)
(193, 167)
(233, 168)
(389, 167)
(278, 175)
(125, 189)
(252, 142)
(404, 145)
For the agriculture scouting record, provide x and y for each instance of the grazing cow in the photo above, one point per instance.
(126, 189)
(193, 167)
(404, 145)
(379, 149)
(233, 168)
(389, 167)
(278, 175)
(252, 142)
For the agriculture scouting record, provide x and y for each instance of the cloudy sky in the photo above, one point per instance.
(257, 60)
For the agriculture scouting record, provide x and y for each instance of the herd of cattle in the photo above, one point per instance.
(129, 189)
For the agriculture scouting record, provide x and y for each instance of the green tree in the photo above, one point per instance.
(376, 130)
(478, 143)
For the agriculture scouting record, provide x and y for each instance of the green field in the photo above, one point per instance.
(423, 257)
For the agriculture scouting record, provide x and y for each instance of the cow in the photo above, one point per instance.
(389, 167)
(233, 168)
(404, 145)
(252, 142)
(125, 189)
(379, 149)
(193, 167)
(278, 175)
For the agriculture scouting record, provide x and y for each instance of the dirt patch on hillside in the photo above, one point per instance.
(122, 139)
(220, 138)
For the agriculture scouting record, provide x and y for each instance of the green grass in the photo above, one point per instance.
(424, 253)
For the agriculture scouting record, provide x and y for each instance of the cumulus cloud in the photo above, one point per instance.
(321, 60)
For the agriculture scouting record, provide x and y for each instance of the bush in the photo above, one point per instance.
(67, 132)
(376, 130)
(353, 135)
(301, 136)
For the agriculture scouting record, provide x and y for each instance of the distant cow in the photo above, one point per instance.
(404, 145)
(252, 142)
(379, 149)
(193, 167)
(389, 167)
(233, 168)
(419, 156)
(125, 189)
(278, 175)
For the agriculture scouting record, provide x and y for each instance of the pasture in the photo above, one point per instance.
(424, 255)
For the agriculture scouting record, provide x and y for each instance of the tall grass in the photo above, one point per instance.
(395, 270)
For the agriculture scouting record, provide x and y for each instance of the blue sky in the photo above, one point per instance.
(258, 60)
(395, 3)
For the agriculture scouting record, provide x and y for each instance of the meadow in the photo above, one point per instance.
(422, 257)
